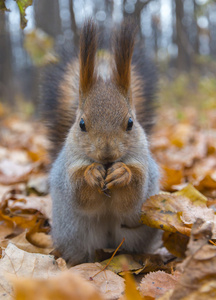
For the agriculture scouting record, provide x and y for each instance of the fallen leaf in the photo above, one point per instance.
(175, 212)
(38, 184)
(40, 239)
(176, 243)
(171, 176)
(200, 265)
(108, 283)
(22, 243)
(131, 292)
(41, 204)
(64, 286)
(157, 283)
(118, 262)
(205, 291)
(11, 172)
(23, 264)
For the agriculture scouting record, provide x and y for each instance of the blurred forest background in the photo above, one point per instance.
(180, 35)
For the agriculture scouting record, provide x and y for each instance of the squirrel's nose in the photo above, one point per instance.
(107, 153)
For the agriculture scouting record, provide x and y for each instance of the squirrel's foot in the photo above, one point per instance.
(94, 175)
(118, 175)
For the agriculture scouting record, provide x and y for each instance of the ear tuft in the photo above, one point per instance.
(123, 50)
(88, 48)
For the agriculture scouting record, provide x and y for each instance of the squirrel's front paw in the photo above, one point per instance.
(94, 175)
(118, 175)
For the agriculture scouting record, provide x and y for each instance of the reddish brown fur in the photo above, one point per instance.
(123, 50)
(126, 182)
(88, 48)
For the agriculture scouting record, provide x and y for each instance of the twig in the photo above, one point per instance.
(91, 278)
(210, 241)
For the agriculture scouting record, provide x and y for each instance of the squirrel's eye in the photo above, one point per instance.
(82, 125)
(130, 124)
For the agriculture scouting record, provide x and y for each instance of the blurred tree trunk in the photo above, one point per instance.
(196, 40)
(47, 16)
(6, 73)
(184, 47)
(136, 14)
(73, 24)
(155, 21)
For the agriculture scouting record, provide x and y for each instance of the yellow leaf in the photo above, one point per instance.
(195, 196)
(131, 292)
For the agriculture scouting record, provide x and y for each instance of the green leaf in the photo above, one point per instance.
(22, 5)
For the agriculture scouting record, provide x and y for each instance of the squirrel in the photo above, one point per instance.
(99, 108)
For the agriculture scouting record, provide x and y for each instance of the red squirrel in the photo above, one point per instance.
(99, 111)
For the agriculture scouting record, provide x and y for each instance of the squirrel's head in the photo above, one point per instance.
(106, 128)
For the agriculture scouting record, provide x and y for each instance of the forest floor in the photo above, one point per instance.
(184, 145)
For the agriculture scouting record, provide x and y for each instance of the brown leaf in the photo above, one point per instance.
(23, 264)
(11, 172)
(157, 283)
(108, 283)
(41, 204)
(171, 176)
(40, 239)
(176, 243)
(22, 243)
(175, 212)
(200, 265)
(65, 286)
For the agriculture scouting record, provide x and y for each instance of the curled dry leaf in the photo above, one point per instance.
(38, 184)
(41, 204)
(64, 286)
(22, 243)
(23, 264)
(199, 266)
(108, 283)
(40, 239)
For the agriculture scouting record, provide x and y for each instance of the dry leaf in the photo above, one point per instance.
(175, 212)
(41, 204)
(118, 262)
(40, 239)
(157, 283)
(11, 172)
(131, 292)
(65, 286)
(108, 283)
(22, 243)
(176, 243)
(23, 264)
(200, 265)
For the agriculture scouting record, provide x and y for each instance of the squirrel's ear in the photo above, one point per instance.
(123, 50)
(88, 48)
